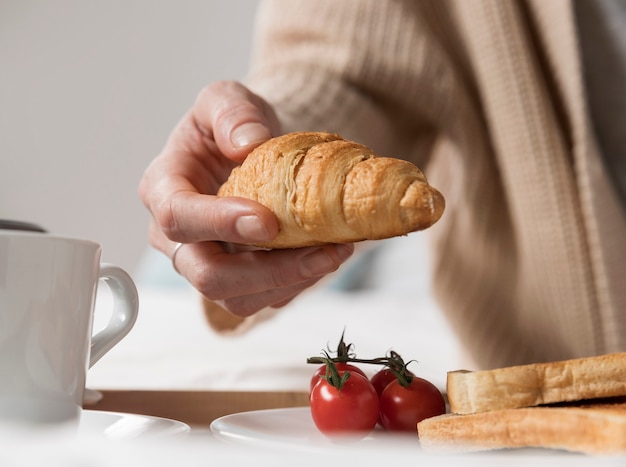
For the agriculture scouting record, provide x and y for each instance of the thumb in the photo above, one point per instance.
(238, 119)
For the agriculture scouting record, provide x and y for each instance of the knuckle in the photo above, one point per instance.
(280, 277)
(166, 218)
(205, 278)
(217, 90)
(239, 307)
(235, 110)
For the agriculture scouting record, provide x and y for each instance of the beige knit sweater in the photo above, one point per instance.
(487, 97)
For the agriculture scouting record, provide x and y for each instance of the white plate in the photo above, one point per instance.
(293, 428)
(122, 426)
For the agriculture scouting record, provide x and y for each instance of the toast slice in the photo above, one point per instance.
(597, 428)
(537, 384)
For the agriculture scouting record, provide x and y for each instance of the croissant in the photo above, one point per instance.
(325, 189)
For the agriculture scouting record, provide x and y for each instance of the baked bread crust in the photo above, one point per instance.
(596, 428)
(325, 189)
(535, 384)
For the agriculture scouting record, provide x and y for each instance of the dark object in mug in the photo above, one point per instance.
(7, 224)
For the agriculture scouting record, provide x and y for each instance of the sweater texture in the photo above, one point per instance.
(488, 98)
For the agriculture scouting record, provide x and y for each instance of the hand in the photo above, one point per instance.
(225, 123)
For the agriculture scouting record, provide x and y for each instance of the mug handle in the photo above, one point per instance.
(125, 310)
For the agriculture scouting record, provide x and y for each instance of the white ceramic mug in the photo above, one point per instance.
(48, 287)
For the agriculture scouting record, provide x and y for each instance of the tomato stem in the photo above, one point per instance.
(343, 349)
(374, 361)
(393, 361)
(332, 374)
(399, 369)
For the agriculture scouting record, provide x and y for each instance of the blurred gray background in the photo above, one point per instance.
(89, 91)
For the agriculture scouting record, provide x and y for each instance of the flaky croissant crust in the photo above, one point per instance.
(325, 189)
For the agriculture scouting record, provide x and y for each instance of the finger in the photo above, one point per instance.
(237, 119)
(285, 302)
(250, 304)
(189, 217)
(219, 275)
(194, 219)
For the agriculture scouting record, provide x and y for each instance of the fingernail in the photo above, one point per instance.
(251, 228)
(249, 134)
(345, 251)
(317, 263)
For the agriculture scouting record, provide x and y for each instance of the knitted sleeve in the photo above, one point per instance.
(486, 96)
(366, 69)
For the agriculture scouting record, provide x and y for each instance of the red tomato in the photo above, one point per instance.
(381, 379)
(401, 408)
(341, 366)
(351, 410)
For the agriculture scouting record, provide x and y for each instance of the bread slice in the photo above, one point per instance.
(536, 384)
(592, 428)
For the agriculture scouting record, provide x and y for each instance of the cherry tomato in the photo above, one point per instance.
(351, 410)
(381, 379)
(341, 366)
(401, 408)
